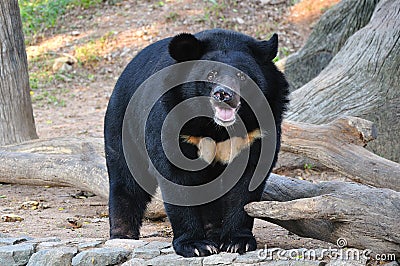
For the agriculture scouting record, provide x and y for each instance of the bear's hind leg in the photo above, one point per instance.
(127, 204)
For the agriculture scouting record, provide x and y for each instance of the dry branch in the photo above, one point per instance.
(368, 218)
(56, 162)
(339, 146)
(68, 162)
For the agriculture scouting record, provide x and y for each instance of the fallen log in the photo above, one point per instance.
(360, 216)
(339, 145)
(69, 162)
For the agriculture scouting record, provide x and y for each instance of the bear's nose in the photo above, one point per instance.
(221, 94)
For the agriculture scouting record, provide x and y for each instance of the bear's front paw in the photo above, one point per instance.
(239, 244)
(195, 248)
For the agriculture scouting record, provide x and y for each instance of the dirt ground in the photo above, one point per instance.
(71, 99)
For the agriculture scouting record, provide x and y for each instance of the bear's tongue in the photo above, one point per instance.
(224, 114)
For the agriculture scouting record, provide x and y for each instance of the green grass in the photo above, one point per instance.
(42, 78)
(39, 15)
(49, 97)
(283, 52)
(90, 52)
(308, 166)
(172, 17)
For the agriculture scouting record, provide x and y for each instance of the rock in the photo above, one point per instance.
(290, 262)
(16, 254)
(392, 263)
(64, 64)
(240, 20)
(295, 257)
(348, 257)
(134, 262)
(50, 244)
(11, 240)
(174, 260)
(75, 33)
(129, 244)
(159, 245)
(54, 257)
(165, 260)
(249, 257)
(91, 244)
(146, 253)
(139, 33)
(100, 257)
(220, 259)
(125, 51)
(167, 250)
(339, 262)
(272, 2)
(43, 239)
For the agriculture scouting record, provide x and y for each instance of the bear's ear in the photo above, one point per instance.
(185, 47)
(267, 50)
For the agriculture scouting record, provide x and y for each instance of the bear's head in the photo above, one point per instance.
(247, 56)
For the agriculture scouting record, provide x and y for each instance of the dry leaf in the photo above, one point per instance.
(11, 218)
(74, 223)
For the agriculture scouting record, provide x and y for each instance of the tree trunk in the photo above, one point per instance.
(362, 216)
(327, 38)
(362, 80)
(16, 115)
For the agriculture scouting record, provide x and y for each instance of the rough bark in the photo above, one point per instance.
(362, 80)
(16, 115)
(327, 38)
(366, 217)
(58, 162)
(339, 145)
(290, 161)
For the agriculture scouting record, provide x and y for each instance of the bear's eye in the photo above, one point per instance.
(212, 75)
(241, 76)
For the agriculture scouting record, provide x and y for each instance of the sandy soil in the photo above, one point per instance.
(104, 39)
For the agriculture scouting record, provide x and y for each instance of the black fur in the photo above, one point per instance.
(222, 224)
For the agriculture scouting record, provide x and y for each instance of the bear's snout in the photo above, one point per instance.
(221, 94)
(225, 103)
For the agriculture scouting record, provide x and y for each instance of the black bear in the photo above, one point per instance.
(220, 224)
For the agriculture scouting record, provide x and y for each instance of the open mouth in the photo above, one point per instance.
(224, 116)
(225, 103)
